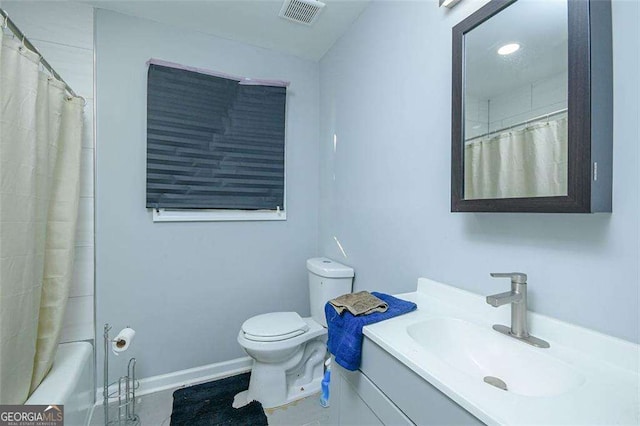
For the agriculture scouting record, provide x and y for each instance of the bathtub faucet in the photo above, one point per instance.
(517, 297)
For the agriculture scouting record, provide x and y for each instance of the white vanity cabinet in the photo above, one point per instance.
(386, 392)
(432, 365)
(357, 401)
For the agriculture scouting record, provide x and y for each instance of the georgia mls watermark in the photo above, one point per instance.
(31, 415)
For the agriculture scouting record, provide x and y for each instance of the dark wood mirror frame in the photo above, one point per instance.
(590, 115)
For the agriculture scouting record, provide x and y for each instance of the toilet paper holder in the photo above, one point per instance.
(124, 389)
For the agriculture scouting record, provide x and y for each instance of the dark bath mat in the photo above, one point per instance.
(210, 404)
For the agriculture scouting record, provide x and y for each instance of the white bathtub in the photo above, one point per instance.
(70, 382)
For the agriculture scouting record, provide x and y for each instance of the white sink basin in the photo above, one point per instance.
(471, 349)
(584, 378)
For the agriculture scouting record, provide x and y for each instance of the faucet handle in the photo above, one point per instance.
(516, 277)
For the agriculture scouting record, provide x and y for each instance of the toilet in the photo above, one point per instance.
(289, 351)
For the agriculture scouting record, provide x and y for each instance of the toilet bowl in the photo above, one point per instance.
(286, 367)
(289, 351)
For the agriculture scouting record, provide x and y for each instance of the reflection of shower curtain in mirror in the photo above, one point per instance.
(531, 162)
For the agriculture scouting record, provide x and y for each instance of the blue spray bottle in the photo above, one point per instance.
(324, 396)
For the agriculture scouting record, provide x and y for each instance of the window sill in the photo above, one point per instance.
(217, 215)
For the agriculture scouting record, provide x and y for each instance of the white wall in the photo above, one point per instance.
(476, 116)
(385, 187)
(527, 102)
(63, 33)
(188, 287)
(516, 106)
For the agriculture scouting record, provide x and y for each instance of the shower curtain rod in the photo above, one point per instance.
(523, 123)
(8, 23)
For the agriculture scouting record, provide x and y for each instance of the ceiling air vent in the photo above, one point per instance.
(301, 11)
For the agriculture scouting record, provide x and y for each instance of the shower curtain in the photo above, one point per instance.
(531, 162)
(40, 145)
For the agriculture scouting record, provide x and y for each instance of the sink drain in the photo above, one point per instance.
(494, 381)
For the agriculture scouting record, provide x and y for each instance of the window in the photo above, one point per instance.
(215, 146)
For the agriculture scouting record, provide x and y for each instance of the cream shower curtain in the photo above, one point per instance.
(531, 162)
(40, 144)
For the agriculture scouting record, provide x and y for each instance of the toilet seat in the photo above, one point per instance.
(274, 326)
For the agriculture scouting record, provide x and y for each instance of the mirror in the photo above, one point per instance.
(515, 103)
(521, 124)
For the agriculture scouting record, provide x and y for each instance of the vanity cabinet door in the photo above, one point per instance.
(420, 401)
(356, 400)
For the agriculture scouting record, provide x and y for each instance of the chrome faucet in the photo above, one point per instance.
(518, 299)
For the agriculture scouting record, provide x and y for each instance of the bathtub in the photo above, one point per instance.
(70, 382)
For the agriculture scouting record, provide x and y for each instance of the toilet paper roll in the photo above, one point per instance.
(122, 341)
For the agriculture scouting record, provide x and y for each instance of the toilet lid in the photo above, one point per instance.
(274, 326)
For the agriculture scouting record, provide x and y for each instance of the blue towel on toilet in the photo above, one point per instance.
(345, 331)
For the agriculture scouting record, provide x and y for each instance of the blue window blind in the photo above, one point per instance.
(213, 143)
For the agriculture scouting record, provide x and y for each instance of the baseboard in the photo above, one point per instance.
(191, 376)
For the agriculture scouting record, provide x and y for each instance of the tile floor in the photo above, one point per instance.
(155, 410)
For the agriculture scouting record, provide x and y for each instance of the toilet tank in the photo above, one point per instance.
(327, 279)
